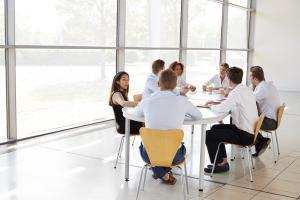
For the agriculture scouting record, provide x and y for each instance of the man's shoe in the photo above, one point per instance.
(262, 146)
(218, 169)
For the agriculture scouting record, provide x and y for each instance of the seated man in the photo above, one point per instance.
(268, 102)
(151, 85)
(242, 107)
(165, 110)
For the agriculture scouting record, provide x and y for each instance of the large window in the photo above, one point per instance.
(201, 66)
(66, 22)
(243, 3)
(59, 88)
(154, 23)
(237, 28)
(1, 22)
(67, 52)
(3, 134)
(238, 59)
(138, 65)
(204, 23)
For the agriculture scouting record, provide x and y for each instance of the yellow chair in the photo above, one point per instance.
(246, 148)
(161, 147)
(279, 117)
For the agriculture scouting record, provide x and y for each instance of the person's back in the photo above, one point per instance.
(242, 116)
(166, 110)
(267, 97)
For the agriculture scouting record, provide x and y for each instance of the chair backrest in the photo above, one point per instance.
(279, 114)
(137, 97)
(161, 145)
(257, 126)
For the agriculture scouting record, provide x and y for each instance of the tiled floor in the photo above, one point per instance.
(78, 164)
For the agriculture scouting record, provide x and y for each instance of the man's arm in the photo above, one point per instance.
(138, 110)
(193, 112)
(152, 85)
(226, 105)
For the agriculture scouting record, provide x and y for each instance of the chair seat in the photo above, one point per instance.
(176, 165)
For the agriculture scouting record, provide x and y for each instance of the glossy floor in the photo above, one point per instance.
(78, 164)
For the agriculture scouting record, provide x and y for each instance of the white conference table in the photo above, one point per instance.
(208, 117)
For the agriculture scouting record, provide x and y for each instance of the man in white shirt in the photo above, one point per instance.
(165, 110)
(151, 85)
(219, 80)
(268, 102)
(242, 107)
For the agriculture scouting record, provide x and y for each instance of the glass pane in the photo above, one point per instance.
(3, 133)
(60, 88)
(154, 23)
(238, 59)
(201, 65)
(237, 28)
(2, 22)
(243, 3)
(138, 65)
(205, 18)
(66, 22)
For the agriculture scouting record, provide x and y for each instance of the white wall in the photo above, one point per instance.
(277, 42)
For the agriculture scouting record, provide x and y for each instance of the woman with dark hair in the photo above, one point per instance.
(178, 68)
(119, 99)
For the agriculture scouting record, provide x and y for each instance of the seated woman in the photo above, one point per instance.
(119, 99)
(219, 80)
(178, 68)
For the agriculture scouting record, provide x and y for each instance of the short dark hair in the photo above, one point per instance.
(258, 73)
(225, 65)
(174, 64)
(158, 65)
(168, 79)
(235, 74)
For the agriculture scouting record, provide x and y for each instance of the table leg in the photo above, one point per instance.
(202, 157)
(127, 148)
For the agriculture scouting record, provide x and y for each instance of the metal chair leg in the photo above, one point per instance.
(139, 187)
(145, 175)
(232, 153)
(249, 163)
(186, 178)
(250, 153)
(182, 184)
(122, 142)
(133, 141)
(215, 160)
(242, 153)
(268, 137)
(277, 143)
(119, 151)
(273, 146)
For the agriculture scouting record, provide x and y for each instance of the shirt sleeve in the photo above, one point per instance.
(152, 85)
(118, 98)
(226, 105)
(193, 112)
(260, 94)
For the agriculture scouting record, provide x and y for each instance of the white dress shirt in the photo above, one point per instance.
(268, 99)
(242, 106)
(151, 86)
(217, 82)
(165, 110)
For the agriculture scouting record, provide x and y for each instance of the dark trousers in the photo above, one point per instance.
(267, 125)
(161, 171)
(225, 133)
